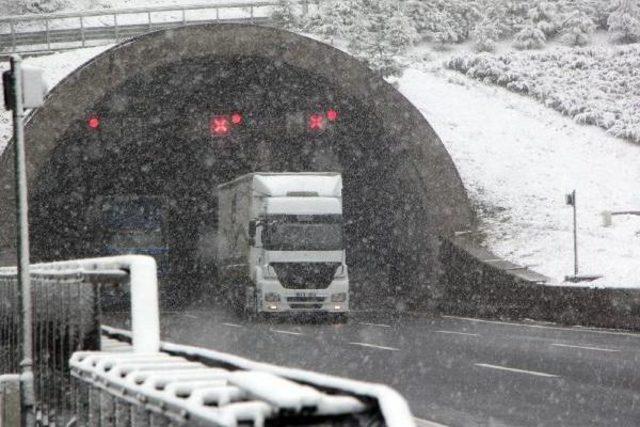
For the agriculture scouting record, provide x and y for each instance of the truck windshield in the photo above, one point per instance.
(303, 233)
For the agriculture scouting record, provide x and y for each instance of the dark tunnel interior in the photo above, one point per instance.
(155, 137)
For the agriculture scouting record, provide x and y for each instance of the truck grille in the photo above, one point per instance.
(305, 299)
(305, 275)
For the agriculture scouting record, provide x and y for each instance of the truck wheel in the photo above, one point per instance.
(339, 318)
(250, 306)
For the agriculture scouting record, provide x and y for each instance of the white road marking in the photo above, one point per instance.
(497, 322)
(279, 331)
(379, 325)
(233, 325)
(458, 333)
(585, 347)
(191, 316)
(522, 371)
(426, 423)
(381, 347)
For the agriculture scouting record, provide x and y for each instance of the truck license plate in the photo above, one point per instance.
(305, 294)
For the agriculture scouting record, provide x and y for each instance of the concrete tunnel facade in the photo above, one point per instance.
(155, 96)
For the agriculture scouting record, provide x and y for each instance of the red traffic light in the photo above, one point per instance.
(332, 115)
(316, 122)
(94, 122)
(219, 125)
(236, 118)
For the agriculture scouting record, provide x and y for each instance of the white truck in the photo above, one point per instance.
(280, 245)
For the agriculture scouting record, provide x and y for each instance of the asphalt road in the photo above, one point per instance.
(453, 371)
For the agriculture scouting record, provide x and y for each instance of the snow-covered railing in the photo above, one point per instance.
(65, 311)
(57, 31)
(186, 385)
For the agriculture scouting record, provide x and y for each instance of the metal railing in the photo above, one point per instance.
(193, 386)
(69, 30)
(65, 319)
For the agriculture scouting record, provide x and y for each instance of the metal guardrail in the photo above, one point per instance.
(58, 31)
(193, 386)
(65, 298)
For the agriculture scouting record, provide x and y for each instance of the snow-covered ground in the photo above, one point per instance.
(517, 159)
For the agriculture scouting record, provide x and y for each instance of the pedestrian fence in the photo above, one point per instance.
(91, 375)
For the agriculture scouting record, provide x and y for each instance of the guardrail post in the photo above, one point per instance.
(13, 37)
(184, 17)
(82, 36)
(149, 20)
(10, 408)
(217, 14)
(251, 14)
(115, 26)
(46, 33)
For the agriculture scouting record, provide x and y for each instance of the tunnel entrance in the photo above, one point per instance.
(149, 133)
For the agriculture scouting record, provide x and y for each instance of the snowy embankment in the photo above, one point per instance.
(517, 159)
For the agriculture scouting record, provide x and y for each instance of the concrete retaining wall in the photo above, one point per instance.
(477, 283)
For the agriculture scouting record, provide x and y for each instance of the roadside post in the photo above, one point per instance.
(24, 87)
(571, 200)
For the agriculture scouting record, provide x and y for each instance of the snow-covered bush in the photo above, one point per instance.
(485, 35)
(530, 37)
(599, 86)
(624, 22)
(42, 6)
(577, 29)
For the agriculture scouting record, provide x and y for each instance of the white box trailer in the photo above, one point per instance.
(280, 243)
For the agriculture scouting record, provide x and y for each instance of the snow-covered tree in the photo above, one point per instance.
(485, 35)
(577, 29)
(511, 16)
(284, 15)
(624, 22)
(446, 21)
(530, 37)
(381, 33)
(544, 14)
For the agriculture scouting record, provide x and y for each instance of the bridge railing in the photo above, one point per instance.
(68, 30)
(65, 307)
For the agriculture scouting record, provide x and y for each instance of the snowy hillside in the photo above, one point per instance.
(594, 85)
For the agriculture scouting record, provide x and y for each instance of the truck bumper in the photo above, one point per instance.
(274, 298)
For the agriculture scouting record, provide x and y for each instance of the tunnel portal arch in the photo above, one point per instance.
(156, 94)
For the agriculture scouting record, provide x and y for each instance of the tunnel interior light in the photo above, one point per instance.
(332, 115)
(316, 122)
(93, 122)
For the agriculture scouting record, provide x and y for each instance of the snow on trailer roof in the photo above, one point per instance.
(280, 184)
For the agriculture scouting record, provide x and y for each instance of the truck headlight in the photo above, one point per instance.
(271, 297)
(339, 297)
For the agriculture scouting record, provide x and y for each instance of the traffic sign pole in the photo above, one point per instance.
(24, 279)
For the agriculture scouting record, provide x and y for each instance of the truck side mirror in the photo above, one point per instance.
(253, 225)
(252, 229)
